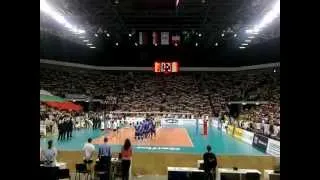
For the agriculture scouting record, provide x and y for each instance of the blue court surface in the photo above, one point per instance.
(222, 144)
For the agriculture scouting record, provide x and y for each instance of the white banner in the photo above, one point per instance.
(273, 147)
(134, 119)
(247, 136)
(215, 123)
(175, 121)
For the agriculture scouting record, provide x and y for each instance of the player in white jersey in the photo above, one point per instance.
(114, 126)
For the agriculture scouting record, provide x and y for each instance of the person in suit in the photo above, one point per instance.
(69, 128)
(60, 130)
(64, 129)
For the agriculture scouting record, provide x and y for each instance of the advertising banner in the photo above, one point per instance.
(247, 136)
(238, 133)
(176, 121)
(215, 123)
(273, 147)
(230, 129)
(260, 142)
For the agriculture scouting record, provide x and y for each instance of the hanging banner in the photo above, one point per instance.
(273, 147)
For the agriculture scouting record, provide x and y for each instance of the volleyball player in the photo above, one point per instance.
(145, 129)
(136, 131)
(114, 124)
(149, 128)
(140, 131)
(118, 125)
(153, 129)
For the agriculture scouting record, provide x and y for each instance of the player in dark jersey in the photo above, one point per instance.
(149, 128)
(140, 131)
(153, 129)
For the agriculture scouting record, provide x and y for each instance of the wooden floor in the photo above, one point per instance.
(165, 137)
(157, 163)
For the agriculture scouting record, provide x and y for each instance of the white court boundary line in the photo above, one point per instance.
(188, 136)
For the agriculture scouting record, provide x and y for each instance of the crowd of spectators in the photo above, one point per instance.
(187, 92)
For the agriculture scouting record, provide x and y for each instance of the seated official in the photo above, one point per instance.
(88, 150)
(49, 156)
(210, 163)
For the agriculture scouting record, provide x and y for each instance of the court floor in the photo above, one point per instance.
(171, 139)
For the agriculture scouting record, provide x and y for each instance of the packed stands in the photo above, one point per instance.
(187, 92)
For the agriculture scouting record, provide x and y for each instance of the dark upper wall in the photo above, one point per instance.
(52, 47)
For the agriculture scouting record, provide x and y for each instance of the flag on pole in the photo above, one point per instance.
(164, 38)
(175, 39)
(155, 38)
(143, 38)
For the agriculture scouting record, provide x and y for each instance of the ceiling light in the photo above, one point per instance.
(92, 47)
(242, 47)
(86, 40)
(130, 35)
(117, 43)
(235, 35)
(196, 44)
(251, 37)
(216, 44)
(199, 34)
(222, 34)
(46, 8)
(108, 35)
(96, 35)
(247, 40)
(136, 44)
(89, 44)
(244, 44)
(81, 37)
(267, 19)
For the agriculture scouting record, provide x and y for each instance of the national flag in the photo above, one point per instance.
(143, 38)
(155, 38)
(165, 38)
(175, 39)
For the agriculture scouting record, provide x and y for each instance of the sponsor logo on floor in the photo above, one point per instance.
(158, 148)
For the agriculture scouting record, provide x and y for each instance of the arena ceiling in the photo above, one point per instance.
(222, 25)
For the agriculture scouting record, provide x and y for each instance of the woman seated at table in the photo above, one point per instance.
(49, 156)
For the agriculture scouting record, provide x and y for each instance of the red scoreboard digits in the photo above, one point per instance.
(166, 67)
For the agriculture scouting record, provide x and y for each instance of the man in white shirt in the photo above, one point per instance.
(88, 150)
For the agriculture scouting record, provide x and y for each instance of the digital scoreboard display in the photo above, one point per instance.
(166, 67)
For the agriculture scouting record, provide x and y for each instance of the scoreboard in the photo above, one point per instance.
(166, 67)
